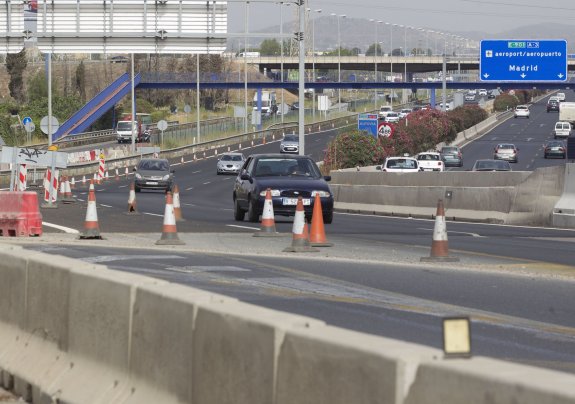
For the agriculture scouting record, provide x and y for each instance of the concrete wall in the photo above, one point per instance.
(515, 197)
(73, 332)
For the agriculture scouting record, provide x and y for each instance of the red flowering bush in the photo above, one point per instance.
(353, 149)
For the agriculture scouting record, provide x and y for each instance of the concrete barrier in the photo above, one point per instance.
(514, 197)
(74, 332)
(563, 214)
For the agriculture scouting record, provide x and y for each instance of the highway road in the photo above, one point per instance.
(515, 282)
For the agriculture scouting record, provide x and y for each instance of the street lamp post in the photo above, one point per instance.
(313, 59)
(338, 56)
(376, 45)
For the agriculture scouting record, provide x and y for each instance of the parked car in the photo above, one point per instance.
(230, 163)
(290, 144)
(392, 117)
(153, 173)
(430, 161)
(288, 177)
(553, 105)
(400, 165)
(491, 165)
(562, 129)
(451, 156)
(506, 151)
(554, 148)
(521, 111)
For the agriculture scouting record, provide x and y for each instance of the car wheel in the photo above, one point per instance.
(328, 218)
(252, 215)
(239, 214)
(217, 172)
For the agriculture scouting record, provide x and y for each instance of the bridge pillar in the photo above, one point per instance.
(432, 97)
(258, 122)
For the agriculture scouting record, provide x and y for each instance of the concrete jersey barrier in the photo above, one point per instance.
(74, 332)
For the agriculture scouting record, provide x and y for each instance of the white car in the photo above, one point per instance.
(562, 129)
(430, 161)
(384, 110)
(522, 111)
(400, 165)
(392, 117)
(469, 97)
(560, 96)
(482, 92)
(404, 112)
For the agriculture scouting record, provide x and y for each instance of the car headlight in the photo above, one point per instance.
(138, 176)
(166, 177)
(322, 194)
(275, 192)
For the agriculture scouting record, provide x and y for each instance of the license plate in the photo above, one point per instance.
(293, 201)
(151, 183)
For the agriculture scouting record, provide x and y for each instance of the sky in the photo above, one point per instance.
(457, 16)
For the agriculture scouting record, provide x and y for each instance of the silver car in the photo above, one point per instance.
(290, 144)
(230, 163)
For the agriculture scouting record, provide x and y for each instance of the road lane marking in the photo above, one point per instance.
(206, 183)
(110, 258)
(242, 227)
(459, 232)
(152, 214)
(189, 189)
(195, 172)
(106, 206)
(67, 230)
(81, 200)
(188, 204)
(122, 186)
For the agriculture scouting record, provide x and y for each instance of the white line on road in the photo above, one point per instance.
(81, 200)
(189, 189)
(122, 186)
(106, 206)
(64, 229)
(242, 227)
(152, 214)
(206, 183)
(459, 232)
(195, 172)
(188, 204)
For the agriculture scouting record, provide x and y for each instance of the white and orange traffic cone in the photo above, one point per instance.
(169, 231)
(83, 180)
(439, 245)
(62, 190)
(300, 241)
(177, 207)
(182, 160)
(106, 177)
(317, 234)
(73, 183)
(67, 198)
(268, 228)
(117, 175)
(126, 172)
(91, 227)
(132, 209)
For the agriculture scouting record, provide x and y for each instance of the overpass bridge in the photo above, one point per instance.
(385, 63)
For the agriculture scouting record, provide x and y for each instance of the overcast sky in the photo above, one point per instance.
(490, 16)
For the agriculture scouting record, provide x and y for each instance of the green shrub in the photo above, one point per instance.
(351, 149)
(504, 101)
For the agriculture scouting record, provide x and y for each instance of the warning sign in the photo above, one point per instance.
(385, 129)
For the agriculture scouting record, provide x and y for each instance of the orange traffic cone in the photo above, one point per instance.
(117, 175)
(62, 190)
(67, 197)
(300, 241)
(317, 235)
(91, 227)
(177, 208)
(73, 183)
(439, 246)
(169, 231)
(132, 209)
(268, 228)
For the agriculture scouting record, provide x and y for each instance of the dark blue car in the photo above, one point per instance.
(288, 177)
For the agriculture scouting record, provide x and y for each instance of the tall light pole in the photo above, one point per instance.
(391, 59)
(376, 45)
(338, 56)
(282, 57)
(313, 59)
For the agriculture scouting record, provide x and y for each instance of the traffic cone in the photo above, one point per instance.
(182, 160)
(132, 210)
(268, 228)
(83, 180)
(300, 241)
(177, 208)
(117, 175)
(317, 234)
(439, 246)
(126, 171)
(107, 177)
(169, 231)
(73, 183)
(67, 198)
(62, 190)
(91, 227)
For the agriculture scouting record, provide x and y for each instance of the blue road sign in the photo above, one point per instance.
(368, 122)
(523, 60)
(26, 120)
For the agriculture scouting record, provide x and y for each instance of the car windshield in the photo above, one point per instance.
(229, 157)
(291, 138)
(449, 150)
(401, 163)
(506, 146)
(154, 165)
(521, 107)
(428, 157)
(268, 167)
(124, 126)
(492, 165)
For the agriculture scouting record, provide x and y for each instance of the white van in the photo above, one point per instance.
(562, 130)
(560, 96)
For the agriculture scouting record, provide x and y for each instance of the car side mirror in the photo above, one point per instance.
(327, 177)
(245, 176)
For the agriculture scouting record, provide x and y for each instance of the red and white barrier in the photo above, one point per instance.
(22, 174)
(54, 179)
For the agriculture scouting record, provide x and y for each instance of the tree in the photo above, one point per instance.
(37, 87)
(397, 52)
(374, 49)
(16, 64)
(80, 81)
(270, 47)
